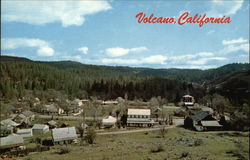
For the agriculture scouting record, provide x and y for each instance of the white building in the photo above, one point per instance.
(139, 117)
(11, 141)
(109, 121)
(77, 102)
(188, 100)
(51, 109)
(25, 132)
(40, 129)
(64, 135)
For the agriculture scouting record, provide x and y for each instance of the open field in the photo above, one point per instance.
(178, 143)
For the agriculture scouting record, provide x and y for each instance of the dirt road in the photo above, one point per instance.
(177, 122)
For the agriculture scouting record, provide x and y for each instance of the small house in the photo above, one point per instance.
(211, 125)
(40, 129)
(208, 110)
(8, 125)
(109, 121)
(25, 132)
(25, 117)
(110, 102)
(51, 109)
(52, 124)
(64, 135)
(156, 111)
(11, 141)
(9, 122)
(77, 102)
(180, 113)
(77, 111)
(188, 100)
(30, 115)
(139, 117)
(202, 121)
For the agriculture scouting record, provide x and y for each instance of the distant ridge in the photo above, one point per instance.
(209, 76)
(12, 58)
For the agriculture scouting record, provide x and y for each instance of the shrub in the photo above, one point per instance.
(64, 150)
(91, 136)
(156, 149)
(198, 142)
(184, 154)
(163, 132)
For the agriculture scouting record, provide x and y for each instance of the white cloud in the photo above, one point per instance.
(43, 12)
(203, 61)
(234, 41)
(45, 51)
(120, 61)
(117, 51)
(156, 59)
(220, 8)
(43, 47)
(138, 49)
(234, 48)
(84, 50)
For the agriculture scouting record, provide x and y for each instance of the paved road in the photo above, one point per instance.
(177, 122)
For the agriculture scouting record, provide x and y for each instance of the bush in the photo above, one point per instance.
(198, 142)
(64, 150)
(91, 136)
(184, 154)
(156, 149)
(163, 132)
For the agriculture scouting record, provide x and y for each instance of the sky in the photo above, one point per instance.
(107, 32)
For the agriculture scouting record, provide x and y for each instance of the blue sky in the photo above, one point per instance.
(107, 33)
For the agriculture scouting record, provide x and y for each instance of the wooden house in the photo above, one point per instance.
(202, 121)
(139, 117)
(109, 121)
(64, 135)
(40, 129)
(11, 141)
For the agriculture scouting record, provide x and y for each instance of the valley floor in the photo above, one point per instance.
(178, 143)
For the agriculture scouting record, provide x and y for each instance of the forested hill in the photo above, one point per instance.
(21, 75)
(188, 75)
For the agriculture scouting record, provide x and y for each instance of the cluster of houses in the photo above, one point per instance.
(19, 127)
(15, 139)
(200, 118)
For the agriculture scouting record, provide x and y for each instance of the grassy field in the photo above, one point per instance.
(178, 143)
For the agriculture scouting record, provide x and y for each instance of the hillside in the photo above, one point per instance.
(105, 82)
(188, 75)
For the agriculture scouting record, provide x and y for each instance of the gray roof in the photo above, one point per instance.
(25, 132)
(50, 108)
(199, 116)
(179, 111)
(61, 134)
(10, 141)
(28, 113)
(20, 131)
(210, 124)
(9, 122)
(39, 126)
(52, 123)
(207, 109)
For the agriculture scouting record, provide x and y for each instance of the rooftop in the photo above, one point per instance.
(39, 126)
(60, 134)
(12, 140)
(138, 111)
